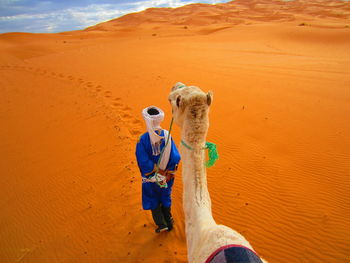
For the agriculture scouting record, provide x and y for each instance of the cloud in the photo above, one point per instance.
(65, 15)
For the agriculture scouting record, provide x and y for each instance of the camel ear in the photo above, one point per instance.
(178, 99)
(209, 97)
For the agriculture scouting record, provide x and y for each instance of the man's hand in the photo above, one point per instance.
(163, 172)
(167, 174)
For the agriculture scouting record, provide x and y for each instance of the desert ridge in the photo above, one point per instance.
(318, 13)
(71, 116)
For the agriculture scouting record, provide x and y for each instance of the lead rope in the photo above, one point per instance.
(161, 155)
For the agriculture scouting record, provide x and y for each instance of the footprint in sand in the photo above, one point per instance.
(108, 94)
(98, 88)
(126, 108)
(71, 78)
(135, 131)
(117, 105)
(126, 115)
(89, 84)
(136, 121)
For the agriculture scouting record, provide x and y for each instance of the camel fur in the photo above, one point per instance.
(190, 107)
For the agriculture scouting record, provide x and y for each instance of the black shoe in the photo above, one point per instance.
(170, 225)
(161, 229)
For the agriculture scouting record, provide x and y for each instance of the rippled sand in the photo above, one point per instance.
(70, 118)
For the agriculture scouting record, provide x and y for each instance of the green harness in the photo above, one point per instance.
(212, 152)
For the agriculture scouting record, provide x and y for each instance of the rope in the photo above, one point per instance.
(161, 155)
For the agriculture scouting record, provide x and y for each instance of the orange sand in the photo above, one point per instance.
(70, 117)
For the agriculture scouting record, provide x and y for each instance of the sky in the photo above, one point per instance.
(52, 16)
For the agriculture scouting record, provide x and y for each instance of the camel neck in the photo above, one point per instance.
(197, 203)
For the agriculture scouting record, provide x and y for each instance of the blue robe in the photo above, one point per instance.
(152, 194)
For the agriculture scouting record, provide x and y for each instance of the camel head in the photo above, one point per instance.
(190, 103)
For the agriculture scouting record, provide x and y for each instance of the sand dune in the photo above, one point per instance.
(236, 12)
(70, 118)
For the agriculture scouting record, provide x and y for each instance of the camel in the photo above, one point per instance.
(190, 107)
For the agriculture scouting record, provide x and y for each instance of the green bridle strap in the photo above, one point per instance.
(187, 146)
(212, 152)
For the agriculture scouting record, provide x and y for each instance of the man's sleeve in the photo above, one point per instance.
(144, 162)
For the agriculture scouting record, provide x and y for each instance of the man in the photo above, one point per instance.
(157, 175)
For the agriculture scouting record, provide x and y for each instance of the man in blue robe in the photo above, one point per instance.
(157, 175)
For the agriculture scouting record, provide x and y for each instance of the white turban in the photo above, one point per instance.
(153, 116)
(153, 121)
